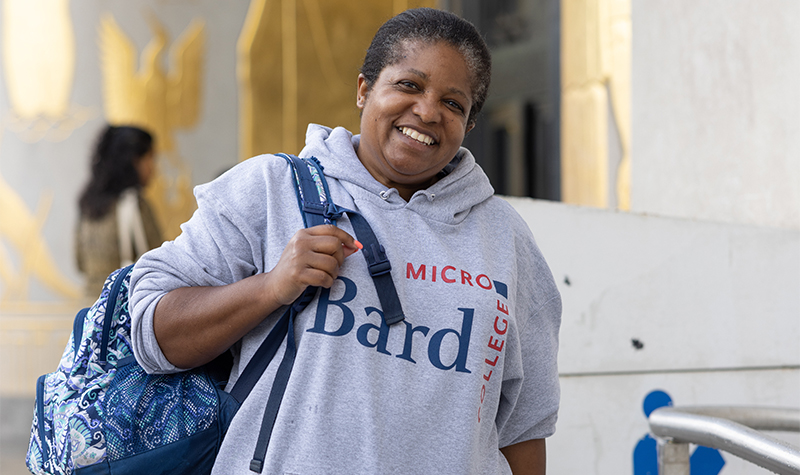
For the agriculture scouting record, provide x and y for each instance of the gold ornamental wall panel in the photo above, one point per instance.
(161, 101)
(39, 67)
(21, 230)
(40, 70)
(595, 85)
(297, 63)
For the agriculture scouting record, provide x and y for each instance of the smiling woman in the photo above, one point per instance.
(468, 382)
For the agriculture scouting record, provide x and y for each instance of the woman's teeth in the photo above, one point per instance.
(416, 135)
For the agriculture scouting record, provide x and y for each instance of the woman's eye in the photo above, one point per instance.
(455, 105)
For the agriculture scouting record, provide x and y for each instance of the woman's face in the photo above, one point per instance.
(415, 116)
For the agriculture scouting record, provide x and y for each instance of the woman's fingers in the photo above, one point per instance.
(345, 240)
(307, 246)
(319, 276)
(330, 230)
(311, 258)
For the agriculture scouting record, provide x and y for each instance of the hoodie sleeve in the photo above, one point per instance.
(530, 394)
(219, 245)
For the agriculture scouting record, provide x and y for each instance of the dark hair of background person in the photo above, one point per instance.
(430, 26)
(113, 168)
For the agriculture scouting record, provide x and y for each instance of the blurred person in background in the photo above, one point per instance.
(116, 224)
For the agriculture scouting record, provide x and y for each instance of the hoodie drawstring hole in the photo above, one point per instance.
(383, 195)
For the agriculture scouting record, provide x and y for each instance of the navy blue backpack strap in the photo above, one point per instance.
(313, 198)
(77, 330)
(276, 393)
(313, 202)
(312, 194)
(310, 202)
(374, 253)
(321, 210)
(379, 268)
(111, 305)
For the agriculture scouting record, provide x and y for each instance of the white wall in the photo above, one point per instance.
(716, 307)
(716, 110)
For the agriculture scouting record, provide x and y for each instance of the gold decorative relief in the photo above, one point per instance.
(21, 229)
(595, 84)
(158, 100)
(297, 63)
(39, 67)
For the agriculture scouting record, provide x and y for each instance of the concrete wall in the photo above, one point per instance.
(715, 309)
(716, 110)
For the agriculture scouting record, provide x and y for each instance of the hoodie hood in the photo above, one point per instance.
(449, 200)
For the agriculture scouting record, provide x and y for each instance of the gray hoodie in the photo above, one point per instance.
(470, 370)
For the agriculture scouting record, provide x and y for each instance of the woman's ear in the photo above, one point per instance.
(361, 92)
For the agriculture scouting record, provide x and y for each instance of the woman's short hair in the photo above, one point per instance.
(113, 168)
(430, 26)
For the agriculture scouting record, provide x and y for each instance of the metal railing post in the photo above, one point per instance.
(673, 458)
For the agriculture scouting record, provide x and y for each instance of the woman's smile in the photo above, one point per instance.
(418, 136)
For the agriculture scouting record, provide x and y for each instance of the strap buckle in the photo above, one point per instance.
(327, 210)
(377, 261)
(332, 212)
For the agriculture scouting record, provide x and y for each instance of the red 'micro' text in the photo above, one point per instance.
(448, 275)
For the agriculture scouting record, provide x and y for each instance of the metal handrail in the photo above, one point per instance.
(734, 430)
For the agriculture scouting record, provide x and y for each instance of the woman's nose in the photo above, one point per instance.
(426, 108)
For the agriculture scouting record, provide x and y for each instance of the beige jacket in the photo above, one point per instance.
(97, 245)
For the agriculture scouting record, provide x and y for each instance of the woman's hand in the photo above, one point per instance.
(311, 258)
(193, 325)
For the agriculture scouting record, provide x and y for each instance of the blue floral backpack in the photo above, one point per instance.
(100, 407)
(101, 413)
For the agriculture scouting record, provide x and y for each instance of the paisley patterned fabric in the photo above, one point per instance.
(97, 410)
(319, 183)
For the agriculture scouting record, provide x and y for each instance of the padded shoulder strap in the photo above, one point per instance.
(312, 191)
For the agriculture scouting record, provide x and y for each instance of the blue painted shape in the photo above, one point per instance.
(654, 400)
(706, 461)
(645, 457)
(703, 461)
(501, 288)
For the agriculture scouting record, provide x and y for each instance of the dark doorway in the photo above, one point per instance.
(517, 138)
